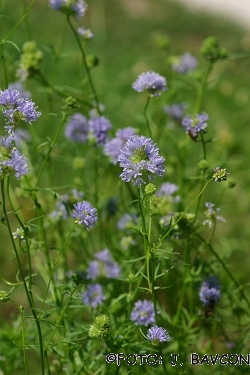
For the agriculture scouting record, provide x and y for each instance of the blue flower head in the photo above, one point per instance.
(186, 63)
(103, 266)
(209, 291)
(93, 296)
(98, 129)
(196, 125)
(11, 160)
(85, 213)
(157, 334)
(140, 156)
(143, 313)
(113, 147)
(74, 7)
(175, 111)
(77, 128)
(152, 82)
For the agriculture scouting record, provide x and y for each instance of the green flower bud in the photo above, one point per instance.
(71, 102)
(4, 296)
(100, 328)
(30, 57)
(211, 51)
(231, 182)
(150, 189)
(92, 61)
(203, 165)
(78, 163)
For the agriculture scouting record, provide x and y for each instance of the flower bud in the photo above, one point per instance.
(4, 296)
(100, 328)
(150, 189)
(203, 165)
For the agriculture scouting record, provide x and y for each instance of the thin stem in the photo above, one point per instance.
(84, 62)
(146, 118)
(172, 227)
(55, 263)
(27, 291)
(6, 83)
(26, 21)
(225, 268)
(21, 19)
(201, 187)
(65, 115)
(203, 146)
(61, 316)
(202, 90)
(23, 341)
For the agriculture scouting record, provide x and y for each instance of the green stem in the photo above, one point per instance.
(201, 187)
(26, 21)
(23, 341)
(225, 268)
(61, 316)
(85, 63)
(168, 232)
(6, 83)
(27, 291)
(146, 118)
(65, 115)
(55, 263)
(16, 25)
(202, 90)
(203, 146)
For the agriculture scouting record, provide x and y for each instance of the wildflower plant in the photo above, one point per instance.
(110, 218)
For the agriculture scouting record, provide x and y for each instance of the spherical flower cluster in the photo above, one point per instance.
(140, 155)
(210, 291)
(77, 128)
(17, 108)
(85, 213)
(195, 125)
(143, 313)
(98, 129)
(175, 111)
(220, 174)
(186, 63)
(113, 147)
(152, 82)
(75, 7)
(103, 266)
(11, 160)
(157, 334)
(93, 296)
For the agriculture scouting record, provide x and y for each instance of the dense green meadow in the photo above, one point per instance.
(164, 263)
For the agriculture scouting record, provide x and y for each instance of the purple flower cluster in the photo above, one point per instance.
(212, 215)
(157, 334)
(210, 291)
(113, 147)
(140, 155)
(103, 266)
(167, 190)
(93, 296)
(143, 313)
(196, 125)
(79, 129)
(152, 82)
(98, 129)
(11, 160)
(64, 202)
(85, 213)
(17, 108)
(186, 63)
(175, 111)
(85, 33)
(75, 7)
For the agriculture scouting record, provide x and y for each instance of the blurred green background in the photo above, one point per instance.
(125, 34)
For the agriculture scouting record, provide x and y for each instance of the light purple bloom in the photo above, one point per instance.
(187, 63)
(93, 296)
(98, 129)
(17, 163)
(150, 81)
(18, 85)
(103, 266)
(76, 7)
(86, 33)
(195, 125)
(17, 108)
(175, 111)
(126, 221)
(220, 174)
(212, 215)
(209, 291)
(85, 213)
(167, 189)
(143, 313)
(140, 155)
(77, 128)
(113, 147)
(157, 334)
